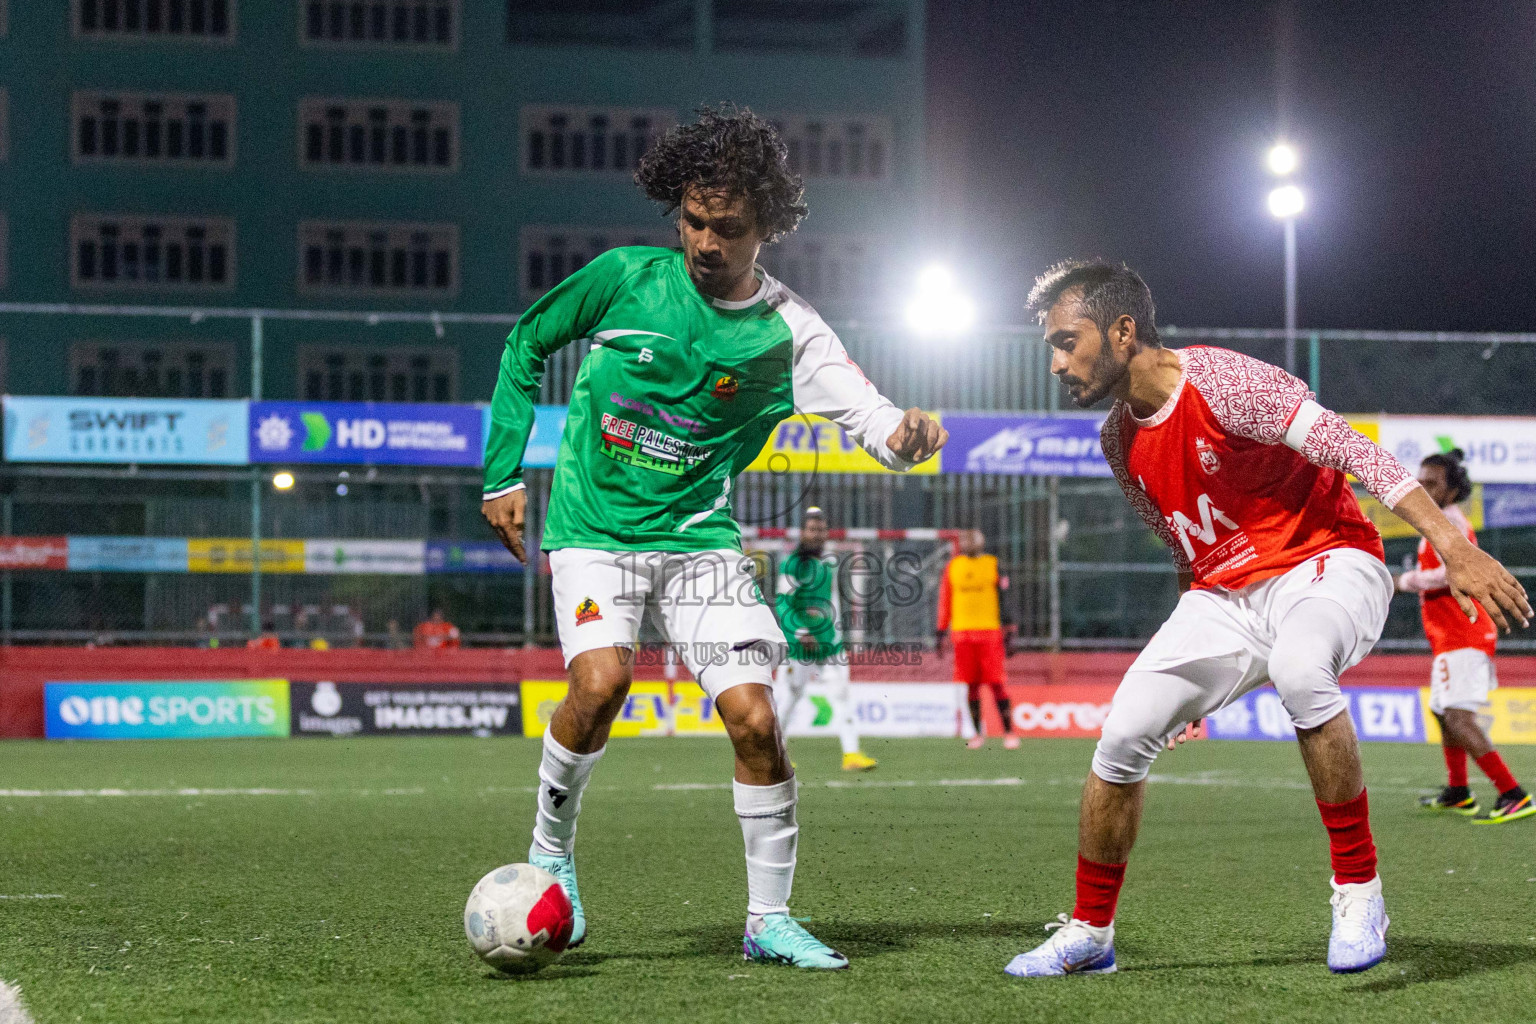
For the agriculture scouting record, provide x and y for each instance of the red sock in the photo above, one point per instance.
(1498, 773)
(1098, 890)
(1349, 839)
(1455, 766)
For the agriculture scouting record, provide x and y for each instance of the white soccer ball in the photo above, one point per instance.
(518, 918)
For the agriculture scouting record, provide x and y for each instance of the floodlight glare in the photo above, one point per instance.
(1286, 202)
(939, 307)
(1282, 159)
(282, 481)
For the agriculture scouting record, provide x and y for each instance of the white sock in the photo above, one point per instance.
(562, 777)
(771, 835)
(848, 733)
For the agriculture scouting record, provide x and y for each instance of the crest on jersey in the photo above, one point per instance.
(725, 387)
(587, 611)
(1206, 452)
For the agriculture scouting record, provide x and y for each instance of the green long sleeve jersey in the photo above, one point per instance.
(808, 607)
(676, 397)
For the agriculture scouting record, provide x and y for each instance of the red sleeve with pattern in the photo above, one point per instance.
(1258, 401)
(1111, 440)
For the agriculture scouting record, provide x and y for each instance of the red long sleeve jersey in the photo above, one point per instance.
(1242, 474)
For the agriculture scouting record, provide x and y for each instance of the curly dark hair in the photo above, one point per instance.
(1456, 475)
(729, 150)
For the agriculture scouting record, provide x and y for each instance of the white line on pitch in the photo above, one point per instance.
(32, 896)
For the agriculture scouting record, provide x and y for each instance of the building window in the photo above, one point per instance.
(551, 254)
(852, 148)
(392, 135)
(849, 28)
(147, 369)
(648, 24)
(358, 373)
(203, 20)
(398, 259)
(417, 24)
(831, 271)
(152, 253)
(195, 130)
(589, 140)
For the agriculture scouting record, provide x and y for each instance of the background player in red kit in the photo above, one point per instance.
(970, 610)
(1462, 674)
(1235, 466)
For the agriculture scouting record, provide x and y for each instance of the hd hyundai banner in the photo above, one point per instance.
(399, 434)
(182, 431)
(380, 709)
(166, 710)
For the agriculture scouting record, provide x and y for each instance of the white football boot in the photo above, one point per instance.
(1078, 948)
(1359, 939)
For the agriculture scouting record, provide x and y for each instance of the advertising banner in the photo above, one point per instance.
(398, 434)
(1499, 449)
(1508, 505)
(1016, 445)
(383, 557)
(1076, 711)
(383, 709)
(34, 552)
(884, 709)
(1382, 714)
(646, 711)
(811, 444)
(183, 431)
(166, 710)
(127, 554)
(470, 556)
(233, 554)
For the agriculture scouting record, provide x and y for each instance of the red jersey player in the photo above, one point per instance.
(970, 610)
(1235, 466)
(1463, 673)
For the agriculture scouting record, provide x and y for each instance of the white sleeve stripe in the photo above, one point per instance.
(489, 495)
(1302, 423)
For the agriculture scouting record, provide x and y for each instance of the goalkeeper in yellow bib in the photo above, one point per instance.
(696, 356)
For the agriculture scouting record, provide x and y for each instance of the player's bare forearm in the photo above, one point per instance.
(506, 516)
(918, 437)
(1473, 574)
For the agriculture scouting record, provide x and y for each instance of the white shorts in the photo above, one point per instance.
(1220, 644)
(706, 603)
(1461, 679)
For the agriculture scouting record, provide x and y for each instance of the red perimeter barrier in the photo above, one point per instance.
(24, 670)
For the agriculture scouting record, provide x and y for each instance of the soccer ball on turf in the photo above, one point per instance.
(518, 918)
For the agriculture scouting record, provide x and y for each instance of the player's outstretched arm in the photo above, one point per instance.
(1472, 573)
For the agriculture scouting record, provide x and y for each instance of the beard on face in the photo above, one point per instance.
(1106, 374)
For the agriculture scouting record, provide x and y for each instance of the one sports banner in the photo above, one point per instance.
(380, 557)
(543, 440)
(1074, 711)
(166, 710)
(181, 431)
(1023, 445)
(476, 556)
(127, 554)
(812, 444)
(233, 554)
(399, 434)
(1499, 449)
(1382, 714)
(385, 709)
(883, 709)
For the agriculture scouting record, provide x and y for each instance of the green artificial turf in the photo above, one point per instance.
(339, 898)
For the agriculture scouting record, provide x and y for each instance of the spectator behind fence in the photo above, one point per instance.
(394, 639)
(436, 632)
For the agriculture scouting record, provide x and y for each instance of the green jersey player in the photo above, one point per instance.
(696, 355)
(809, 605)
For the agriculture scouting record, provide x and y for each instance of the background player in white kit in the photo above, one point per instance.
(1237, 468)
(810, 611)
(1462, 675)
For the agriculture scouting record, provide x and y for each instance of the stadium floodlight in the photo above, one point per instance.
(1282, 159)
(283, 481)
(938, 306)
(1286, 202)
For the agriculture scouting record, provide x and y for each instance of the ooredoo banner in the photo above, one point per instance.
(1074, 712)
(166, 710)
